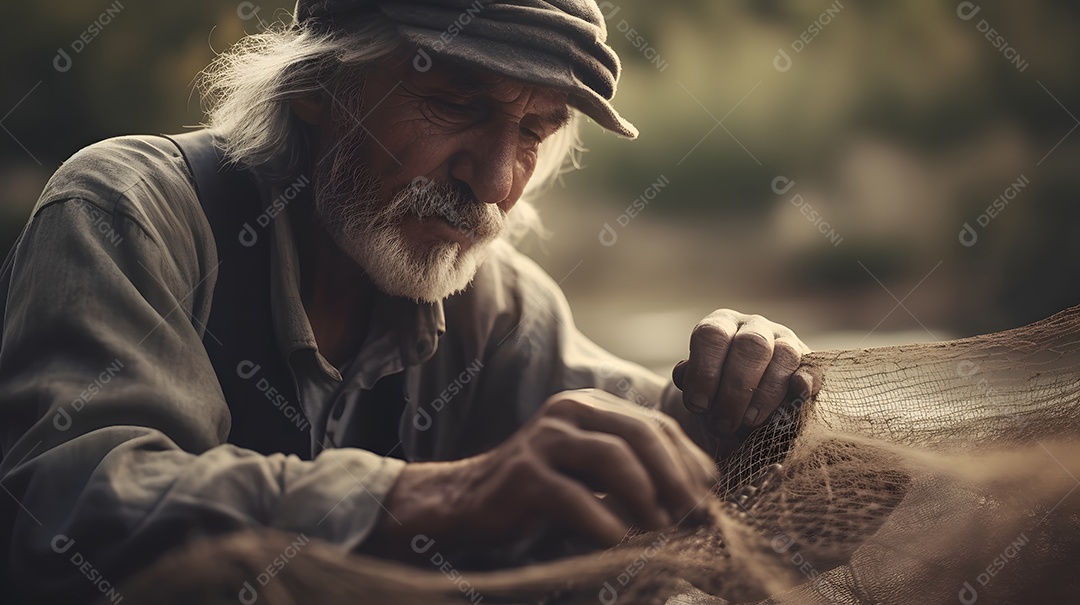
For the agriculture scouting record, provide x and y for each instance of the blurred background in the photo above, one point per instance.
(865, 172)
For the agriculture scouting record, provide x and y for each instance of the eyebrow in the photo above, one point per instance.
(474, 83)
(559, 117)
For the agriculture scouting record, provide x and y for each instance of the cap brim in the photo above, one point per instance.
(534, 67)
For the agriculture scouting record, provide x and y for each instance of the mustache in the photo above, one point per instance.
(349, 195)
(453, 202)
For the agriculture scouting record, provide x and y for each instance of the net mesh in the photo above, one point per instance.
(920, 474)
(938, 473)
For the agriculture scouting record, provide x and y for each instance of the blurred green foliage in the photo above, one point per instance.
(901, 118)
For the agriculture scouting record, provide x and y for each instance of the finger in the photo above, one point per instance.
(677, 488)
(699, 463)
(805, 383)
(774, 385)
(678, 374)
(607, 461)
(709, 343)
(728, 444)
(750, 353)
(573, 505)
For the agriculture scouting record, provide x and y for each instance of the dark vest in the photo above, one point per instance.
(239, 337)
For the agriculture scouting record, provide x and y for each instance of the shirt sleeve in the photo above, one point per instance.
(112, 421)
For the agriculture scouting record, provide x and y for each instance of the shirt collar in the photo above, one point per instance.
(401, 332)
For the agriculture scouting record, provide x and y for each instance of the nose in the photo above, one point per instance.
(487, 163)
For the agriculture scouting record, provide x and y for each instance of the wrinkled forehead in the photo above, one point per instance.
(470, 82)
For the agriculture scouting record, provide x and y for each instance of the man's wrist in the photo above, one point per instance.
(419, 504)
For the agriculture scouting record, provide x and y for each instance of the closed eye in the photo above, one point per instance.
(532, 134)
(454, 109)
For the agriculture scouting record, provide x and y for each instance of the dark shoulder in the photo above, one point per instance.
(142, 178)
(109, 169)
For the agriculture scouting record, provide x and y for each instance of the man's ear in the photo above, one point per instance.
(310, 110)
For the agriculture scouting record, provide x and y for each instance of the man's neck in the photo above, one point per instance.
(337, 294)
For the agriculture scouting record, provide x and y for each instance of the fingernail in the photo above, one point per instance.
(678, 375)
(698, 403)
(751, 415)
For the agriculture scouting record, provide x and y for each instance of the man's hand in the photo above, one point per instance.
(741, 368)
(580, 442)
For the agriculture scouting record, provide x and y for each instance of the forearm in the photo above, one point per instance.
(123, 496)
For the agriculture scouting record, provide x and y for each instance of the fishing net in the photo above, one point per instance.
(932, 473)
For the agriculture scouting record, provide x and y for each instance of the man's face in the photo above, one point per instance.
(418, 170)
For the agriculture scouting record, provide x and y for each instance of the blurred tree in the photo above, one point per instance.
(910, 79)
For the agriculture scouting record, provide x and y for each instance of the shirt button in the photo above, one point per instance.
(338, 410)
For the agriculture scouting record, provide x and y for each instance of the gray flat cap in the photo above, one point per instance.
(554, 43)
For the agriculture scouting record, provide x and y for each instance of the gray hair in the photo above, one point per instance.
(247, 91)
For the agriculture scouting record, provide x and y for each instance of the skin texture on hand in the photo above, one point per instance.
(580, 442)
(741, 369)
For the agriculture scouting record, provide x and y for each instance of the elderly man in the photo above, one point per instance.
(328, 332)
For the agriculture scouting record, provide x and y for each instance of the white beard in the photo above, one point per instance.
(400, 268)
(373, 237)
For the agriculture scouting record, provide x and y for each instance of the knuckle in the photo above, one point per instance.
(736, 388)
(565, 404)
(614, 448)
(790, 339)
(769, 394)
(787, 349)
(666, 426)
(753, 344)
(783, 331)
(525, 469)
(787, 356)
(725, 313)
(665, 422)
(709, 337)
(636, 424)
(550, 429)
(708, 329)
